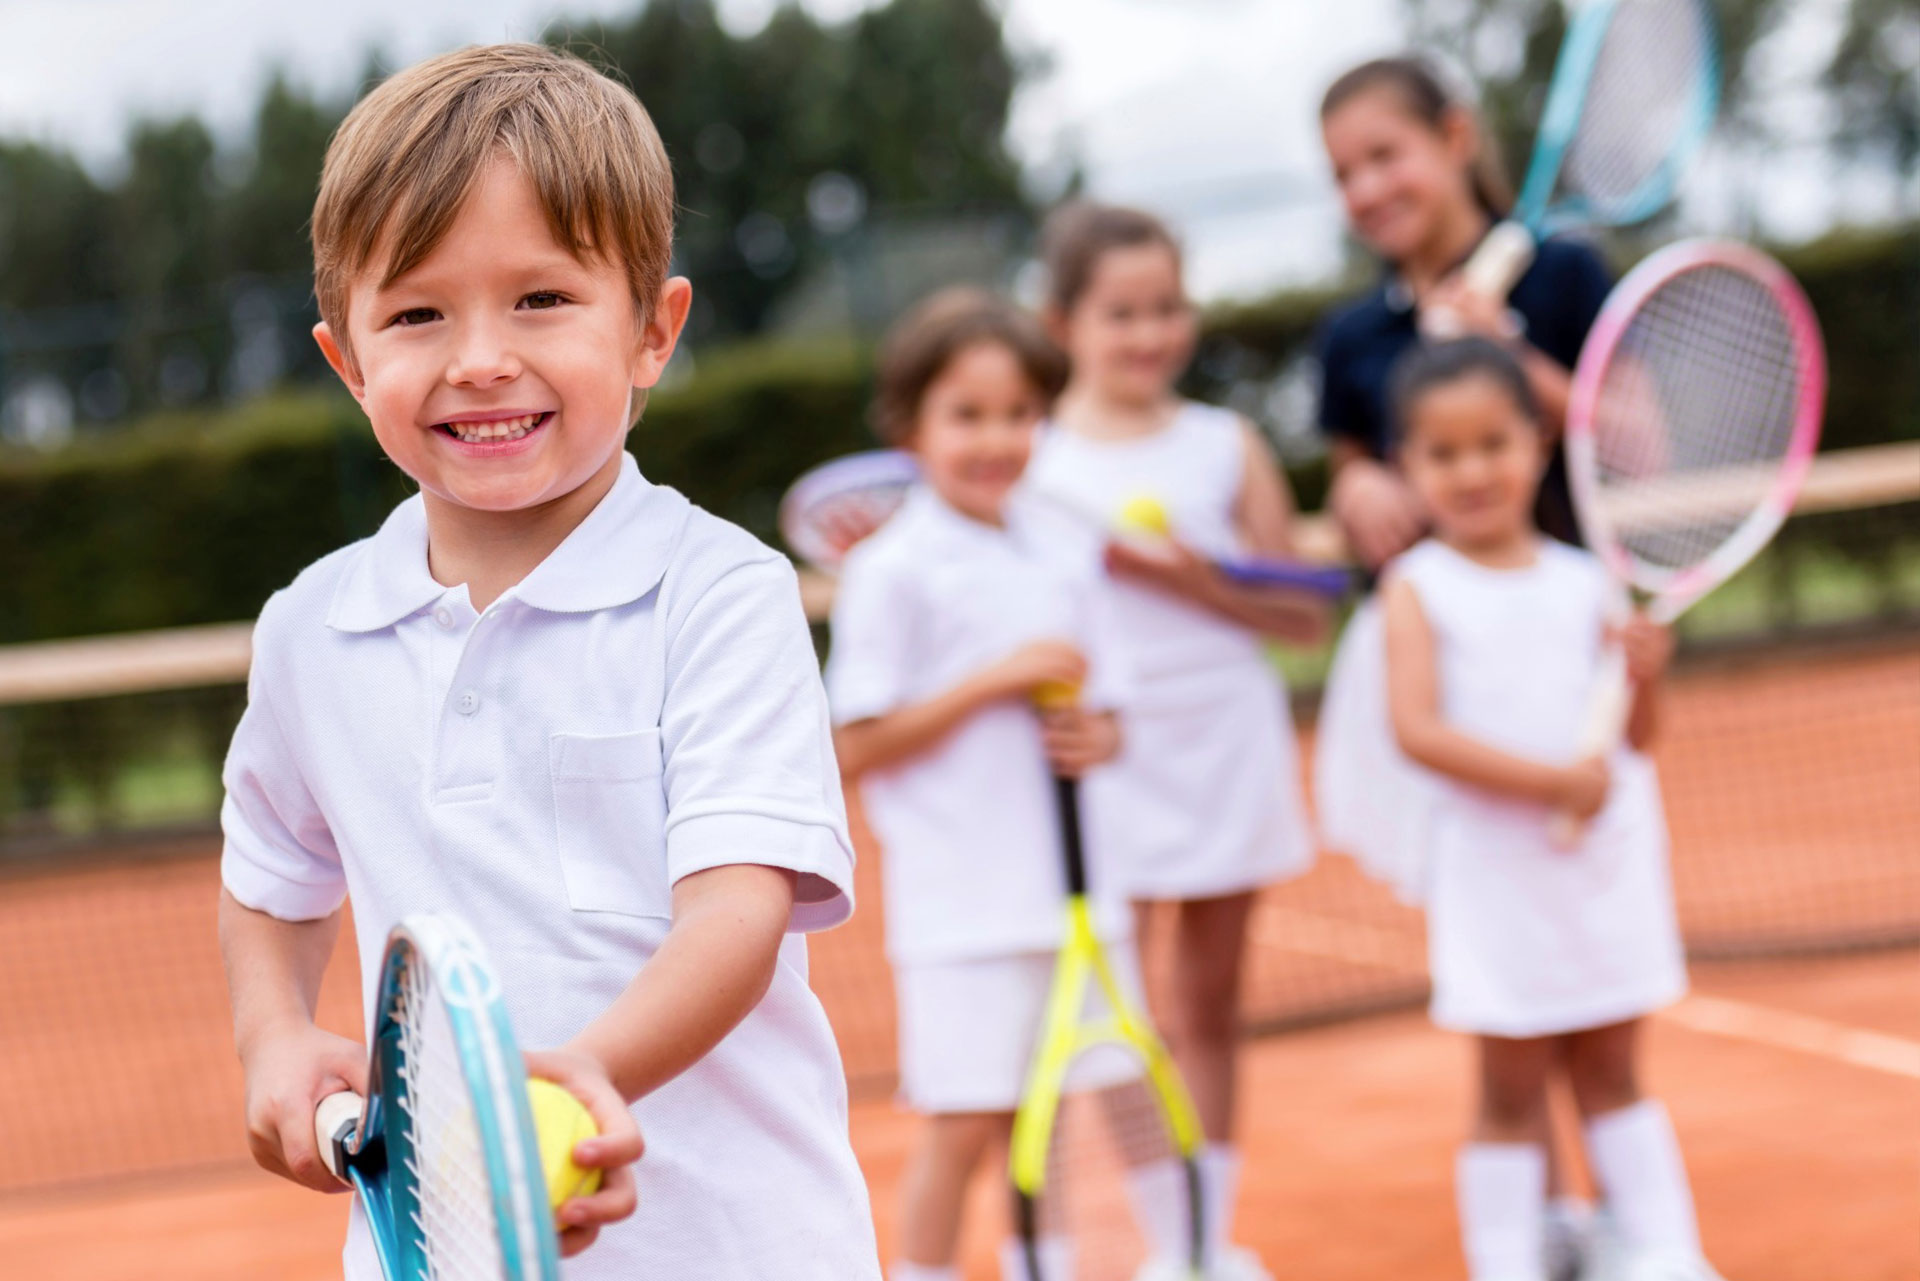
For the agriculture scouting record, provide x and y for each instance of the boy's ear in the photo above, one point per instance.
(1460, 131)
(661, 332)
(330, 348)
(1054, 321)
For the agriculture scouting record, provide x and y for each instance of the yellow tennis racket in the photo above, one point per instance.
(1106, 1143)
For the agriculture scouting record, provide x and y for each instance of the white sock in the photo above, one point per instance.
(1160, 1199)
(904, 1271)
(1636, 1160)
(1502, 1189)
(1056, 1259)
(1220, 1187)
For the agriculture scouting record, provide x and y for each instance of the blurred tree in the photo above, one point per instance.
(167, 259)
(785, 139)
(265, 215)
(1875, 75)
(53, 230)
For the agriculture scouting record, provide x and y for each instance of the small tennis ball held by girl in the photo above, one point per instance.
(1207, 809)
(949, 623)
(1545, 954)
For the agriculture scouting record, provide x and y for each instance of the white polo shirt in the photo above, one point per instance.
(645, 704)
(968, 828)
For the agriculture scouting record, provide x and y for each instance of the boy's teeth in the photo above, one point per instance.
(502, 429)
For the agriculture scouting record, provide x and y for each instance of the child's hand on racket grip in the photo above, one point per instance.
(612, 1151)
(288, 1071)
(1647, 647)
(1582, 789)
(1077, 739)
(1161, 562)
(1036, 664)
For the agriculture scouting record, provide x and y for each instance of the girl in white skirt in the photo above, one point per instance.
(945, 623)
(1493, 637)
(1205, 799)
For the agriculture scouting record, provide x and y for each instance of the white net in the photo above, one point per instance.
(1642, 100)
(454, 1218)
(1695, 413)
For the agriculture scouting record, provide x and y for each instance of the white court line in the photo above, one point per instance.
(1858, 1047)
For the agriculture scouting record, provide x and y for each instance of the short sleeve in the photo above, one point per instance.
(279, 855)
(1562, 297)
(871, 642)
(750, 775)
(1336, 413)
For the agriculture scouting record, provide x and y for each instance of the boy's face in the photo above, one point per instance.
(499, 372)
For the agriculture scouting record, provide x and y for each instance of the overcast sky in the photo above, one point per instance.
(1202, 109)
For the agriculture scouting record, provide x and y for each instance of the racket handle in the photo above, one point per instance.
(334, 1122)
(1502, 258)
(1607, 708)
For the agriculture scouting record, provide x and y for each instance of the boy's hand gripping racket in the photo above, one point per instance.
(443, 1151)
(838, 503)
(1691, 425)
(1634, 93)
(1105, 1171)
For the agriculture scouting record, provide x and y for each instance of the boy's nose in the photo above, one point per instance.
(482, 358)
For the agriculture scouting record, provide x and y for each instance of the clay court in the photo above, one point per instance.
(1793, 1071)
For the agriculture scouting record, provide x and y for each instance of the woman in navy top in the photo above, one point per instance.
(1421, 191)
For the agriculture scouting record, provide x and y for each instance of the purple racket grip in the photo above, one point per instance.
(1322, 580)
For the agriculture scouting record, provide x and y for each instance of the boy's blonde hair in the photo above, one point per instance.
(408, 154)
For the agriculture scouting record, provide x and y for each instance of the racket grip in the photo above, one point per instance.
(334, 1122)
(1502, 258)
(1606, 721)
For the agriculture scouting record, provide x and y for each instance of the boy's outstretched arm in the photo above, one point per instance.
(273, 975)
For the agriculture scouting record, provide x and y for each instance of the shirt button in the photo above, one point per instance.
(443, 616)
(468, 702)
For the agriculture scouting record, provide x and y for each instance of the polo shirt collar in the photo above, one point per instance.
(616, 555)
(949, 524)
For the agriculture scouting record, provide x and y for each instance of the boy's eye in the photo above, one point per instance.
(545, 300)
(414, 316)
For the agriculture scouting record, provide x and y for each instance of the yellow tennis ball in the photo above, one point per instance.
(1144, 514)
(561, 1121)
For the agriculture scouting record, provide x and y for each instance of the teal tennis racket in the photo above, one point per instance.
(443, 1151)
(1634, 93)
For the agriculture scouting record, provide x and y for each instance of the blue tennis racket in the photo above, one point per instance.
(443, 1150)
(1634, 93)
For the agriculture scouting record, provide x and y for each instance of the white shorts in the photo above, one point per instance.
(968, 1029)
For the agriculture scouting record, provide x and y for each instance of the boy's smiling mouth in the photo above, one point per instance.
(494, 431)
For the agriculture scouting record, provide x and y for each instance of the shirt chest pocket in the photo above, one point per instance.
(610, 811)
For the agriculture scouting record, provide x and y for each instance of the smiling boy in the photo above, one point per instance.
(548, 696)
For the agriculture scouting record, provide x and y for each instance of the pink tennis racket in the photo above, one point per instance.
(1691, 425)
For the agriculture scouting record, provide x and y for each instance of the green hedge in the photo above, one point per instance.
(190, 519)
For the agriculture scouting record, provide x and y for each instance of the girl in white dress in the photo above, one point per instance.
(946, 621)
(1493, 637)
(1205, 798)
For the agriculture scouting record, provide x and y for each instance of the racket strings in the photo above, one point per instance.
(453, 1214)
(1696, 412)
(1116, 1184)
(1655, 62)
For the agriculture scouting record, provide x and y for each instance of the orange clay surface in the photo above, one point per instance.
(1806, 1168)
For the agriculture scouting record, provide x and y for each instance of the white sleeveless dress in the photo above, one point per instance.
(1205, 799)
(1526, 939)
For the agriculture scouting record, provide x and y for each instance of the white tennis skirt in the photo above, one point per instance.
(1205, 797)
(968, 1029)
